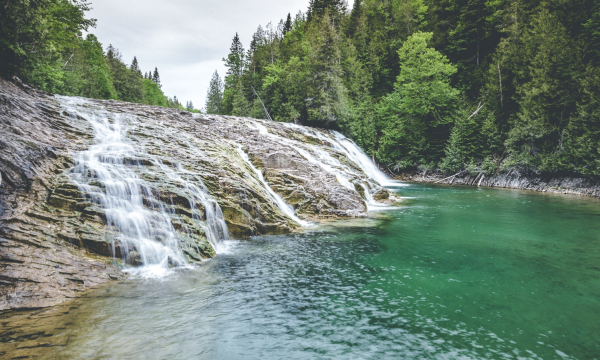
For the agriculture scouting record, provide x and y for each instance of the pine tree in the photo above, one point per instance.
(235, 61)
(135, 66)
(156, 78)
(335, 8)
(287, 26)
(235, 67)
(592, 34)
(214, 96)
(327, 102)
(241, 105)
(355, 15)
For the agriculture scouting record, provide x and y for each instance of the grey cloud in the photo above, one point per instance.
(185, 39)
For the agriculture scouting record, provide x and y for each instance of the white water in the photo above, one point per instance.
(111, 174)
(278, 200)
(367, 165)
(365, 173)
(106, 174)
(325, 161)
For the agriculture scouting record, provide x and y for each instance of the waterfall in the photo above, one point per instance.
(367, 165)
(144, 173)
(279, 202)
(334, 144)
(346, 146)
(109, 174)
(322, 159)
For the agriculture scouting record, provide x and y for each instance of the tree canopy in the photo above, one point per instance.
(448, 84)
(41, 42)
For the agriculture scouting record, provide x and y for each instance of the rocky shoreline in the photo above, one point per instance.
(512, 179)
(54, 241)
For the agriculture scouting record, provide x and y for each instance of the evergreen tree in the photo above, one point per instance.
(235, 67)
(327, 102)
(189, 106)
(462, 147)
(334, 8)
(156, 78)
(241, 105)
(353, 21)
(135, 66)
(214, 96)
(592, 33)
(235, 60)
(287, 27)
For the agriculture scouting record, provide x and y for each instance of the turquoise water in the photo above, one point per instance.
(455, 273)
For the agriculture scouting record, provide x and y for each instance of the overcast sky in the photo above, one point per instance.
(185, 39)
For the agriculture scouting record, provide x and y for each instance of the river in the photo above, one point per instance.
(453, 273)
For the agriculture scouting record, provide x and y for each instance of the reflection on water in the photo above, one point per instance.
(456, 273)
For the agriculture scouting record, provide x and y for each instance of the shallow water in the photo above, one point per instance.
(455, 273)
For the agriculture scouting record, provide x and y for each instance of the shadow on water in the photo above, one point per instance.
(455, 273)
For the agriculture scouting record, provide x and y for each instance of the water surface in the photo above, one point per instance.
(455, 273)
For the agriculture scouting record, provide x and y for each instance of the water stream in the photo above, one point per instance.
(110, 174)
(134, 188)
(278, 201)
(456, 273)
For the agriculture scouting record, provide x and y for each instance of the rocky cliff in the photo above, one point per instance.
(91, 187)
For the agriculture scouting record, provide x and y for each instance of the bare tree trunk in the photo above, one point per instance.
(500, 81)
(263, 104)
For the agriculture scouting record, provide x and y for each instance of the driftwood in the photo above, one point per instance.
(453, 176)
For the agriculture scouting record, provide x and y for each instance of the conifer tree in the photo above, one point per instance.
(156, 78)
(287, 26)
(235, 67)
(335, 8)
(355, 15)
(235, 60)
(327, 96)
(135, 66)
(241, 105)
(214, 96)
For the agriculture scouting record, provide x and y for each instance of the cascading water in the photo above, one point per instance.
(110, 174)
(146, 176)
(367, 165)
(368, 176)
(279, 202)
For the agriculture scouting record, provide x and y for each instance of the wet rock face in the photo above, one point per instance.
(45, 224)
(55, 241)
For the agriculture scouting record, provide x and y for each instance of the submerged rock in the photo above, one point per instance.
(259, 177)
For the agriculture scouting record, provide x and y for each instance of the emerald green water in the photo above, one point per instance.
(455, 273)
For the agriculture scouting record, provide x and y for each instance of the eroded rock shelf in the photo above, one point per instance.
(54, 240)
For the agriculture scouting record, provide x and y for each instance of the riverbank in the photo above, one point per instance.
(513, 179)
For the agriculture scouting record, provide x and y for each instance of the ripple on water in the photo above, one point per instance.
(517, 279)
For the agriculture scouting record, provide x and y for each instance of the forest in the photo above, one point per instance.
(42, 42)
(422, 85)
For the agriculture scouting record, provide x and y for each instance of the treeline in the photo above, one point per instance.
(41, 42)
(475, 85)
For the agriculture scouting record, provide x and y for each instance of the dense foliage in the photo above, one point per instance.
(421, 84)
(42, 42)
